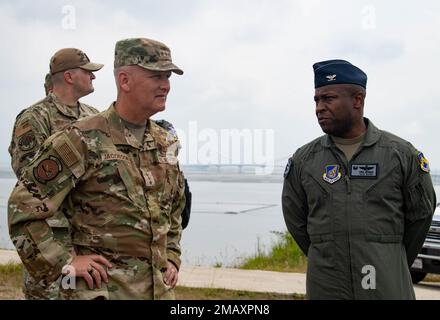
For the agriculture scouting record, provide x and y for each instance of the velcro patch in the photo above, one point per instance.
(114, 156)
(148, 177)
(48, 169)
(424, 163)
(27, 141)
(22, 130)
(287, 169)
(365, 171)
(66, 153)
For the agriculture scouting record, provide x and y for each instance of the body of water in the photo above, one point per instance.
(229, 220)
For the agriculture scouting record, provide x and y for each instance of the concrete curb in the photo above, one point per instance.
(247, 280)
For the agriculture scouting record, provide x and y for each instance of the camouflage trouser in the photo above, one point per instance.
(129, 279)
(34, 290)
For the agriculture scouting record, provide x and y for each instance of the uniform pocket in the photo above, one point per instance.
(419, 206)
(384, 238)
(134, 189)
(321, 256)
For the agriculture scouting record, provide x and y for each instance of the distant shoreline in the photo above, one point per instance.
(205, 176)
(227, 177)
(276, 177)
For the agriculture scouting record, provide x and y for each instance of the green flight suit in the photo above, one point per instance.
(362, 223)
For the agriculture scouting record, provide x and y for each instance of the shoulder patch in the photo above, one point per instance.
(66, 153)
(47, 169)
(167, 126)
(424, 163)
(26, 127)
(27, 141)
(288, 167)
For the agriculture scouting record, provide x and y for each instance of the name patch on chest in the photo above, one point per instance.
(366, 171)
(115, 156)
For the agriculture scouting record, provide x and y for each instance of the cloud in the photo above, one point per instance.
(248, 64)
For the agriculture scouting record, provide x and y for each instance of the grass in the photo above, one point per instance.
(185, 293)
(284, 256)
(11, 277)
(430, 277)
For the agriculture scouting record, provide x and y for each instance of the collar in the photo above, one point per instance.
(121, 135)
(372, 135)
(63, 108)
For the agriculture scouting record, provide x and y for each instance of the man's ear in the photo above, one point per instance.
(68, 77)
(124, 81)
(358, 100)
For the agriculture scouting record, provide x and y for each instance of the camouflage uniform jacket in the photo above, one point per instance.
(33, 126)
(127, 197)
(37, 123)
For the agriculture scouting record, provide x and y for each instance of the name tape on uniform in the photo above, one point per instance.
(367, 171)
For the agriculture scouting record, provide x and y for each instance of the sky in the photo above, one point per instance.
(248, 65)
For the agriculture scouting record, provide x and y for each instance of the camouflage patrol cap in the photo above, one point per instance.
(71, 58)
(146, 53)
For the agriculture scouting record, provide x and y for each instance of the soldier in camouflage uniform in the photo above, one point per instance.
(72, 71)
(119, 172)
(48, 85)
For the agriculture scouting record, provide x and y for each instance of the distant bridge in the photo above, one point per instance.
(243, 168)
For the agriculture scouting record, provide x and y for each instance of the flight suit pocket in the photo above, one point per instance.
(381, 203)
(384, 238)
(418, 204)
(319, 202)
(321, 253)
(386, 186)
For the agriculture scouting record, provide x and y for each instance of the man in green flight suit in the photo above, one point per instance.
(358, 200)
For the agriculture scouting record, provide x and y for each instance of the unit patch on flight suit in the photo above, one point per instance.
(424, 163)
(332, 173)
(287, 170)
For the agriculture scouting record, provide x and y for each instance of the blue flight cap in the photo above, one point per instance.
(338, 72)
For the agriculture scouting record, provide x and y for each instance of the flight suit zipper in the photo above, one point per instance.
(345, 166)
(348, 183)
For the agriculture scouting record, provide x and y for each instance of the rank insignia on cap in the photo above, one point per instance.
(331, 77)
(287, 170)
(332, 173)
(424, 163)
(48, 169)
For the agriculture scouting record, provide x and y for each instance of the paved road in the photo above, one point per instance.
(250, 280)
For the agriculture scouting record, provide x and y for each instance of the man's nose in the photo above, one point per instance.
(92, 76)
(320, 106)
(165, 85)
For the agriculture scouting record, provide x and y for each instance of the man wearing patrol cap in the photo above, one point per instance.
(48, 85)
(70, 78)
(358, 200)
(120, 172)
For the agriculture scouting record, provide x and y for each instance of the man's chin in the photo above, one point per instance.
(325, 129)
